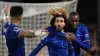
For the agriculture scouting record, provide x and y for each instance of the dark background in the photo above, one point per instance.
(88, 11)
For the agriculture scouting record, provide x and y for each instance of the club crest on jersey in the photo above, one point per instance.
(16, 29)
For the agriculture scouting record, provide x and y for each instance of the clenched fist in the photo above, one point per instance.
(70, 36)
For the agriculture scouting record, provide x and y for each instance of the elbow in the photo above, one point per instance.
(87, 48)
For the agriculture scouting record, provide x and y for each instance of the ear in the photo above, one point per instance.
(20, 17)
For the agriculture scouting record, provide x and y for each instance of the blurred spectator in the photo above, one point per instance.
(94, 47)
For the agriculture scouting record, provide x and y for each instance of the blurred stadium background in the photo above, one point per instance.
(36, 15)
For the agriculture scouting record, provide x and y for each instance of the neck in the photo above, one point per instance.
(15, 22)
(62, 30)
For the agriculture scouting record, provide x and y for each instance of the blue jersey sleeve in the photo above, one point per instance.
(52, 31)
(61, 35)
(15, 32)
(85, 43)
(86, 34)
(42, 43)
(70, 49)
(3, 33)
(5, 26)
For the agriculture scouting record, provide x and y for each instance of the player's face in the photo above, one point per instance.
(74, 20)
(59, 23)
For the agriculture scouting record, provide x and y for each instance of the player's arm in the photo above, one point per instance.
(66, 35)
(6, 14)
(31, 33)
(71, 51)
(42, 43)
(6, 17)
(85, 44)
(58, 34)
(5, 21)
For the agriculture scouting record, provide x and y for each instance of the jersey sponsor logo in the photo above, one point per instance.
(16, 29)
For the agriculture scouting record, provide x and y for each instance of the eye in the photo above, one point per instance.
(61, 21)
(74, 20)
(57, 21)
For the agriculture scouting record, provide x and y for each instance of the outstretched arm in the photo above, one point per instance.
(6, 21)
(6, 17)
(39, 47)
(66, 35)
(84, 45)
(31, 34)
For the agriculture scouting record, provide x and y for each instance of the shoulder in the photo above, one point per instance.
(80, 24)
(14, 28)
(83, 26)
(6, 24)
(49, 28)
(84, 29)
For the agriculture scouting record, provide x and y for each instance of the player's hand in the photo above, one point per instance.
(43, 29)
(6, 10)
(70, 36)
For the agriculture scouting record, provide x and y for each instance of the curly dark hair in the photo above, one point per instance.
(67, 27)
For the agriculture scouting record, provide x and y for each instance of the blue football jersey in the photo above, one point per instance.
(82, 39)
(5, 26)
(57, 45)
(14, 44)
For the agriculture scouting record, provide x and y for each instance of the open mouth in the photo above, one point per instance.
(58, 26)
